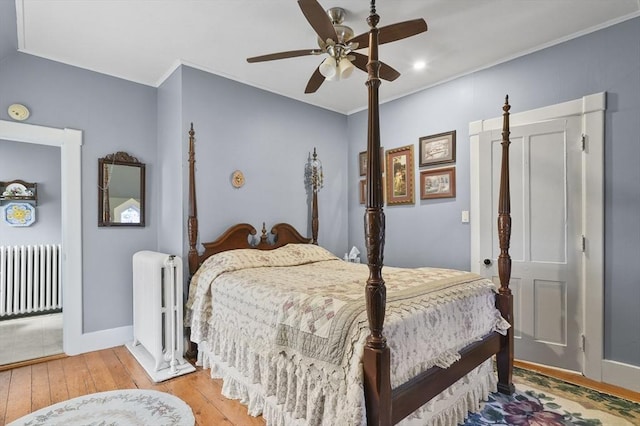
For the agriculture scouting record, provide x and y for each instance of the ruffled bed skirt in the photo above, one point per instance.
(288, 395)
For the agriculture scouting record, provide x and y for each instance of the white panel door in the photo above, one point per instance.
(546, 241)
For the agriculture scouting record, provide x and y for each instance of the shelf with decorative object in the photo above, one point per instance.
(18, 190)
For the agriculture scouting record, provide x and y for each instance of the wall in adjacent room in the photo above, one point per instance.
(39, 164)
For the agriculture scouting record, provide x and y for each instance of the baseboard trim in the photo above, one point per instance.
(581, 380)
(625, 375)
(19, 364)
(97, 340)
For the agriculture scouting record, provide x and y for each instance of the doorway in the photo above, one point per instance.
(553, 326)
(30, 276)
(69, 141)
(546, 211)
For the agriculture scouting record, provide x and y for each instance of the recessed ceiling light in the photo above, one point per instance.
(419, 65)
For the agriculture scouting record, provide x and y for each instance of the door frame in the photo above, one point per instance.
(591, 108)
(69, 141)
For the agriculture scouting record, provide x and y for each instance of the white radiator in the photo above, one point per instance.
(30, 279)
(157, 314)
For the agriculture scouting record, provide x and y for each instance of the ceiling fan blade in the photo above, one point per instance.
(386, 72)
(284, 55)
(318, 19)
(393, 32)
(315, 81)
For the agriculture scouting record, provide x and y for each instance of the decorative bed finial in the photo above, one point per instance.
(505, 122)
(314, 178)
(373, 18)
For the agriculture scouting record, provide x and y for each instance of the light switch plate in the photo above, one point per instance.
(465, 216)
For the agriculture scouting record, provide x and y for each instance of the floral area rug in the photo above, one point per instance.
(544, 401)
(129, 407)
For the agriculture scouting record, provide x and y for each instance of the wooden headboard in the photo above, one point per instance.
(242, 235)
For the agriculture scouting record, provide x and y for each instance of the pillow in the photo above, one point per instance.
(300, 254)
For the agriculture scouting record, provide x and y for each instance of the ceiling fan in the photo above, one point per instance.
(338, 42)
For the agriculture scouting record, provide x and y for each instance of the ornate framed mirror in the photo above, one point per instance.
(121, 190)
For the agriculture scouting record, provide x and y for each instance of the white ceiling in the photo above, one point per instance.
(145, 40)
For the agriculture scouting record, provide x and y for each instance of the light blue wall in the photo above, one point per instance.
(39, 164)
(268, 137)
(428, 233)
(8, 32)
(431, 232)
(171, 139)
(114, 115)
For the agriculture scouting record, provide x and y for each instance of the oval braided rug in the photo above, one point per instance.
(127, 407)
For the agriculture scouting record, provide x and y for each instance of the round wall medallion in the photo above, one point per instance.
(237, 179)
(18, 112)
(19, 214)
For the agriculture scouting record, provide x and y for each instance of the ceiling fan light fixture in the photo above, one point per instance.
(344, 33)
(329, 69)
(345, 68)
(338, 43)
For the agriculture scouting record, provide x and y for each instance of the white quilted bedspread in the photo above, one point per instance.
(286, 328)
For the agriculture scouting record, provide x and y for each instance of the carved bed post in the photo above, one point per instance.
(316, 183)
(376, 358)
(192, 226)
(505, 298)
(193, 208)
(314, 219)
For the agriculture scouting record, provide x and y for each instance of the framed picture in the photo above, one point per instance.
(400, 175)
(363, 192)
(438, 183)
(438, 149)
(362, 162)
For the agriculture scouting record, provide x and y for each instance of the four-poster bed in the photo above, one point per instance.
(312, 369)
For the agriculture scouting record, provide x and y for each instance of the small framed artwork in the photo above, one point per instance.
(400, 175)
(362, 162)
(438, 183)
(438, 149)
(363, 192)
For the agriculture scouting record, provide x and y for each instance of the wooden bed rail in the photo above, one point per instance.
(409, 396)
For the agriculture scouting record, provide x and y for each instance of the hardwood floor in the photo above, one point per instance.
(580, 380)
(28, 388)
